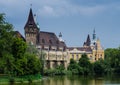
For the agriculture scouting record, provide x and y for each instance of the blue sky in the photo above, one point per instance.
(74, 18)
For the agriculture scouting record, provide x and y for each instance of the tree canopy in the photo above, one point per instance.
(14, 57)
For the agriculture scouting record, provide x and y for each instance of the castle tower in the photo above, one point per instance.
(98, 51)
(31, 30)
(93, 43)
(98, 45)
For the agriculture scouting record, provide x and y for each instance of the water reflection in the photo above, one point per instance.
(78, 80)
(81, 80)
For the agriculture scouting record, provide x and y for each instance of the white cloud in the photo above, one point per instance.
(65, 8)
(52, 8)
(47, 11)
(91, 10)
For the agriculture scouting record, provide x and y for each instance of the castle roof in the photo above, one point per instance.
(50, 39)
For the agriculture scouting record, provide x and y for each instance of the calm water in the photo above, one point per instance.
(78, 80)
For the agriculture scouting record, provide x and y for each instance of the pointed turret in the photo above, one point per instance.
(31, 30)
(98, 45)
(30, 21)
(88, 41)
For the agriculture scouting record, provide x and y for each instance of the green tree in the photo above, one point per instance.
(33, 64)
(6, 39)
(99, 67)
(112, 55)
(18, 48)
(74, 67)
(85, 64)
(6, 36)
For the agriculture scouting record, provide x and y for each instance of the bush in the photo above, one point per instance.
(12, 80)
(51, 72)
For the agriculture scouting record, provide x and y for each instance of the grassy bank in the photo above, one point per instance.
(4, 79)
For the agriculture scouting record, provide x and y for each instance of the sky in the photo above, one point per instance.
(75, 19)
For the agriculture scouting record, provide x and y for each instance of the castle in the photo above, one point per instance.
(57, 52)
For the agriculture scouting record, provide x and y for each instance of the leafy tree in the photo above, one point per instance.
(112, 55)
(33, 65)
(98, 67)
(14, 58)
(85, 64)
(18, 48)
(74, 67)
(6, 36)
(32, 49)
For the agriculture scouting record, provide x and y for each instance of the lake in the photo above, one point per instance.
(78, 80)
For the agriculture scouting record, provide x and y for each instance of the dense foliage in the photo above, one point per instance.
(15, 58)
(112, 57)
(83, 67)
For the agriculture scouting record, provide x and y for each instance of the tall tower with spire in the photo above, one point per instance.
(31, 30)
(94, 35)
(93, 38)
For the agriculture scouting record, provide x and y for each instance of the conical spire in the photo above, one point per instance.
(88, 41)
(30, 21)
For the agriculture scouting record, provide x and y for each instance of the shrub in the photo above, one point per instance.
(12, 80)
